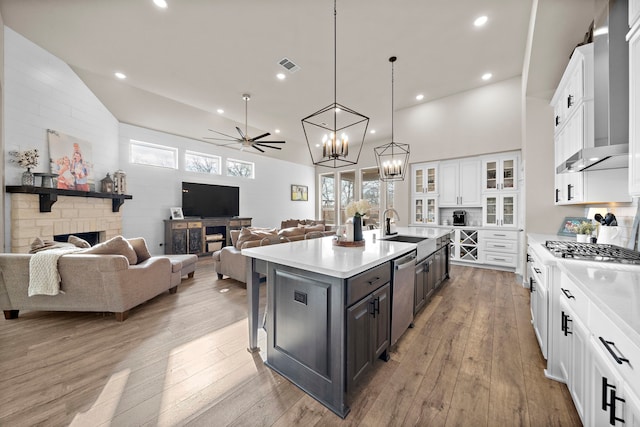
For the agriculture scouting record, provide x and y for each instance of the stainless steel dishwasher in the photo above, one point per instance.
(403, 282)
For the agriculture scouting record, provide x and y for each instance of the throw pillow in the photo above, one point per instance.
(248, 234)
(78, 242)
(234, 237)
(310, 228)
(115, 246)
(140, 247)
(291, 231)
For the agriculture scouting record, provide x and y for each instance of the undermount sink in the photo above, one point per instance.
(406, 239)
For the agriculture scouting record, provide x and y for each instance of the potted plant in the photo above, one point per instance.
(584, 230)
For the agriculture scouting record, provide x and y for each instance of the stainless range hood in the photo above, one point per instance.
(610, 148)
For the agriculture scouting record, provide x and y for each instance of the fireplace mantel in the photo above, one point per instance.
(48, 196)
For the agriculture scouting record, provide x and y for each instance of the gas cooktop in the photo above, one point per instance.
(593, 252)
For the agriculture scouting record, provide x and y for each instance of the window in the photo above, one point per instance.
(370, 181)
(347, 192)
(328, 199)
(239, 168)
(202, 163)
(390, 193)
(145, 153)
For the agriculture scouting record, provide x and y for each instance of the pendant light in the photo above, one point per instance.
(392, 158)
(335, 134)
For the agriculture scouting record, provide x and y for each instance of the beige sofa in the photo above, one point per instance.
(229, 260)
(97, 281)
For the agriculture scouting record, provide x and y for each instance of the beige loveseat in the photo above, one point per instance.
(95, 282)
(229, 260)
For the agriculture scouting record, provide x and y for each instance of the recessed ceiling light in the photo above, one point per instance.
(338, 110)
(160, 3)
(480, 21)
(487, 76)
(373, 131)
(593, 159)
(281, 76)
(277, 131)
(220, 111)
(120, 75)
(420, 97)
(317, 145)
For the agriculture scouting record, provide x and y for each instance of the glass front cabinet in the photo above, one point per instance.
(500, 210)
(425, 210)
(424, 178)
(500, 174)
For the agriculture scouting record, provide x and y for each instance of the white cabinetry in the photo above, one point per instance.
(460, 183)
(424, 210)
(500, 173)
(464, 245)
(634, 100)
(539, 291)
(424, 178)
(500, 210)
(499, 247)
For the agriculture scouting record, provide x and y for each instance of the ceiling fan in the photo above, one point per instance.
(244, 139)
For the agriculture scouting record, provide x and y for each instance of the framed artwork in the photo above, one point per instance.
(176, 213)
(569, 225)
(299, 193)
(71, 160)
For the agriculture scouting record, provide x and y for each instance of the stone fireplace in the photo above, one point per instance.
(69, 215)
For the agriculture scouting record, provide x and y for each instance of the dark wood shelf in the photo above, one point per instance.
(48, 196)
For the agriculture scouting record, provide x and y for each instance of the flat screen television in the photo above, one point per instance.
(208, 200)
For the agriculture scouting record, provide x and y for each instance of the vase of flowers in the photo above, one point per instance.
(26, 159)
(357, 210)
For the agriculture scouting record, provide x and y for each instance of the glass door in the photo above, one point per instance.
(490, 210)
(491, 177)
(431, 180)
(418, 211)
(431, 211)
(508, 210)
(508, 174)
(418, 180)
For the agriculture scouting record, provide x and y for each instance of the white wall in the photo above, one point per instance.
(42, 92)
(266, 198)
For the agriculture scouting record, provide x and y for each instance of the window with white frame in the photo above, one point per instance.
(145, 153)
(347, 192)
(202, 163)
(328, 198)
(240, 168)
(370, 186)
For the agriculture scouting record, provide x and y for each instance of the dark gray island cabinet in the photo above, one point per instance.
(328, 312)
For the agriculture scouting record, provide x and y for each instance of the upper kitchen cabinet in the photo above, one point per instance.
(634, 100)
(460, 183)
(424, 178)
(500, 173)
(500, 210)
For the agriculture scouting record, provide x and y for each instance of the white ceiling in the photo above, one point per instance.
(186, 61)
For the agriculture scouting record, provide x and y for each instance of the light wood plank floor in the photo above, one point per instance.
(472, 359)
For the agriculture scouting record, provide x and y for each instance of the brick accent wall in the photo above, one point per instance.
(68, 215)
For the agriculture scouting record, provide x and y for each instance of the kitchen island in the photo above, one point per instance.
(328, 309)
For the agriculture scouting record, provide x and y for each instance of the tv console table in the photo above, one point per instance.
(200, 236)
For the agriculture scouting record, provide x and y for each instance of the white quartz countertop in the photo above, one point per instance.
(614, 288)
(322, 256)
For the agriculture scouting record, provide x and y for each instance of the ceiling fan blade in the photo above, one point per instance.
(224, 134)
(234, 140)
(224, 145)
(271, 142)
(257, 148)
(261, 136)
(265, 145)
(240, 132)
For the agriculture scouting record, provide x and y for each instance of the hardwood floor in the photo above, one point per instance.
(472, 359)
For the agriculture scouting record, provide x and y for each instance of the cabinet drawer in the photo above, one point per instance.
(610, 339)
(509, 246)
(507, 260)
(196, 224)
(178, 225)
(234, 222)
(364, 283)
(245, 222)
(499, 234)
(574, 296)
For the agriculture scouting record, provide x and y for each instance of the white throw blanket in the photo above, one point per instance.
(44, 278)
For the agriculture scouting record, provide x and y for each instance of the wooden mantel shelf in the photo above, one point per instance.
(48, 196)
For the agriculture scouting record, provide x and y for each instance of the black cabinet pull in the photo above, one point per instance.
(569, 188)
(531, 282)
(376, 305)
(565, 324)
(537, 270)
(529, 259)
(611, 402)
(609, 345)
(567, 293)
(569, 101)
(371, 282)
(372, 308)
(557, 195)
(557, 120)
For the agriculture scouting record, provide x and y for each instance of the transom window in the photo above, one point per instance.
(202, 163)
(145, 153)
(240, 168)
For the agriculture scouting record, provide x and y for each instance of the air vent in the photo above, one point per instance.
(289, 65)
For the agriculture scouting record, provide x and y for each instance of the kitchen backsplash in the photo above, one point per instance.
(625, 216)
(474, 216)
